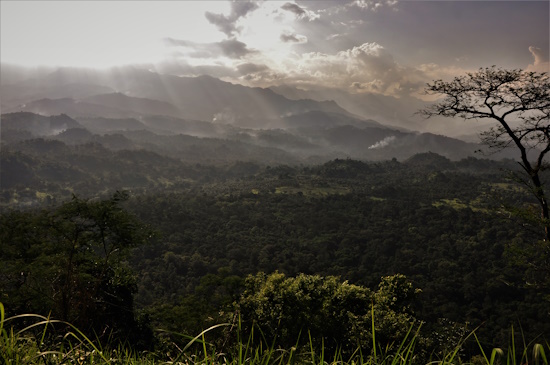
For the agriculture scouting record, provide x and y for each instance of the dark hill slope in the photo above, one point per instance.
(36, 124)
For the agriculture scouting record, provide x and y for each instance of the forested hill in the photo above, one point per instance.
(311, 137)
(443, 224)
(228, 208)
(440, 223)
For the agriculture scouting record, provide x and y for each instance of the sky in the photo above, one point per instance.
(389, 47)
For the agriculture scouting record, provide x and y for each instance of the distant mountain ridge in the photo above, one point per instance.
(142, 106)
(119, 101)
(174, 137)
(38, 125)
(201, 98)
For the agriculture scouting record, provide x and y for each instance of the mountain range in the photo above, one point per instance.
(291, 124)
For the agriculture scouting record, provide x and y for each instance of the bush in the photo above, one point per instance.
(337, 313)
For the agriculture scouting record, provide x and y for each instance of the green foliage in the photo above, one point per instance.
(71, 262)
(334, 312)
(36, 345)
(379, 223)
(355, 220)
(393, 307)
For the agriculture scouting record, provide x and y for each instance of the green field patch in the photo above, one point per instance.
(507, 186)
(162, 181)
(377, 199)
(453, 203)
(458, 204)
(312, 191)
(42, 196)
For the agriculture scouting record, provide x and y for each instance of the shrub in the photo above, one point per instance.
(336, 313)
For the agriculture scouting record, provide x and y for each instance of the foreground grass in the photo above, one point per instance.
(38, 343)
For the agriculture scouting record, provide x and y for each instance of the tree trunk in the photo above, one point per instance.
(545, 215)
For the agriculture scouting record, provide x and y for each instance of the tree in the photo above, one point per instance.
(519, 102)
(287, 308)
(70, 262)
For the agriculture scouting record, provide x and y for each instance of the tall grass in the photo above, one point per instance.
(531, 353)
(47, 341)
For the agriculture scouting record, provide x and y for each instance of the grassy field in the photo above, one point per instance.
(42, 342)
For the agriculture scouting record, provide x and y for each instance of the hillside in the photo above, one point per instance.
(432, 219)
(235, 203)
(309, 137)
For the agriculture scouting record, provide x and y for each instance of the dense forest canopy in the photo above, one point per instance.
(446, 225)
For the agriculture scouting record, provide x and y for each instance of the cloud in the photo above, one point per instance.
(356, 23)
(336, 36)
(540, 62)
(253, 74)
(228, 23)
(373, 5)
(230, 48)
(261, 79)
(300, 12)
(372, 86)
(291, 37)
(365, 68)
(250, 68)
(233, 48)
(248, 73)
(368, 67)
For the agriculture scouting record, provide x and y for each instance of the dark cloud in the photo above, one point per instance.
(265, 78)
(241, 8)
(250, 68)
(223, 23)
(231, 48)
(294, 8)
(289, 37)
(301, 13)
(227, 24)
(357, 85)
